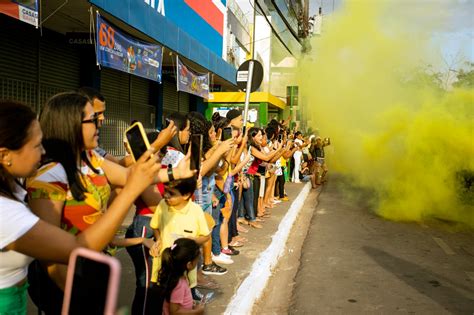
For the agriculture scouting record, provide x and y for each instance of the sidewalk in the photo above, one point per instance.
(258, 241)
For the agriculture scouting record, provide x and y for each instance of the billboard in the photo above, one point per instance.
(124, 53)
(23, 10)
(191, 81)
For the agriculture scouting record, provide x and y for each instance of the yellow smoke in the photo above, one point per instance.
(389, 131)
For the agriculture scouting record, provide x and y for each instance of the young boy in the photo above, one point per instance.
(177, 216)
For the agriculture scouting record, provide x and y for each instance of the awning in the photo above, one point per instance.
(239, 97)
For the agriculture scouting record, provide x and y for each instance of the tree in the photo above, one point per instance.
(465, 77)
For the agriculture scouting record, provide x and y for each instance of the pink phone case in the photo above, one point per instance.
(114, 278)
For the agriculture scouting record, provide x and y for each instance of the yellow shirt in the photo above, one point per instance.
(173, 224)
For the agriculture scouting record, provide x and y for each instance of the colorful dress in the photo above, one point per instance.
(51, 183)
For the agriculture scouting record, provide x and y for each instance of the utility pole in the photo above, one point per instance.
(250, 73)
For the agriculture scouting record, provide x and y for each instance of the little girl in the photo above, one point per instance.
(177, 260)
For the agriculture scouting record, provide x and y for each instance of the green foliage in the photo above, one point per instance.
(465, 77)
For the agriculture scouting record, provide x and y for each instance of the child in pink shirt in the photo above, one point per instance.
(177, 260)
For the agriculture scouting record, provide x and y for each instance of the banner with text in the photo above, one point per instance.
(121, 52)
(191, 81)
(23, 10)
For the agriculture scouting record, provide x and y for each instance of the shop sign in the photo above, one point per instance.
(23, 10)
(124, 53)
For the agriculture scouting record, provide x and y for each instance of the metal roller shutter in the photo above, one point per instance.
(127, 98)
(141, 109)
(170, 97)
(115, 87)
(59, 64)
(183, 102)
(59, 67)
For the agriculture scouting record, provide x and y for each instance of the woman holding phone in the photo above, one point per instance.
(24, 236)
(71, 189)
(174, 152)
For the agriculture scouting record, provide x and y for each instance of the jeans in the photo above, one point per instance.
(142, 261)
(217, 216)
(246, 205)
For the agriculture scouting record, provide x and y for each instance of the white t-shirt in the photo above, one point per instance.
(16, 220)
(172, 157)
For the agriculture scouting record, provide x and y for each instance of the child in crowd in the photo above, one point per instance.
(176, 216)
(177, 261)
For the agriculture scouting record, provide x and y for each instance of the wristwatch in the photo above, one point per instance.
(170, 173)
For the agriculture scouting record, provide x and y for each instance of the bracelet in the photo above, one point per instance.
(170, 173)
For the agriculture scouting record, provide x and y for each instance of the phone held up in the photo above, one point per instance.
(226, 133)
(136, 140)
(92, 283)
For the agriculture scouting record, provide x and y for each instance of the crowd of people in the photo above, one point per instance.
(60, 191)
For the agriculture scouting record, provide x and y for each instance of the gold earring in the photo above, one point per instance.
(9, 163)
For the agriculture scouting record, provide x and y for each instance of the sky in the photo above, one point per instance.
(452, 33)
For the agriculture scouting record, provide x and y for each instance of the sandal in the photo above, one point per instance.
(236, 244)
(256, 225)
(241, 229)
(207, 283)
(243, 221)
(240, 239)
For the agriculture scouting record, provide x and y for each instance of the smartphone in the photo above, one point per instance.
(167, 122)
(137, 141)
(196, 151)
(92, 283)
(226, 133)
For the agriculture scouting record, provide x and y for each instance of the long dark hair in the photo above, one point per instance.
(251, 134)
(180, 121)
(61, 122)
(219, 122)
(174, 262)
(201, 126)
(15, 124)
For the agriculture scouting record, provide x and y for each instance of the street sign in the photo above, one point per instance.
(243, 75)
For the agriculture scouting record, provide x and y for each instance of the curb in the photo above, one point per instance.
(253, 286)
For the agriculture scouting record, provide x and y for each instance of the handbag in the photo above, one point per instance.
(245, 182)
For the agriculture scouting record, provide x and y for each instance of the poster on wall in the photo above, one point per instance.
(191, 81)
(124, 53)
(23, 10)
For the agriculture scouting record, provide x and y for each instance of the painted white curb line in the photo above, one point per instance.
(252, 287)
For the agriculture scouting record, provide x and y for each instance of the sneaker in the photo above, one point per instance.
(213, 269)
(285, 198)
(230, 251)
(222, 259)
(276, 201)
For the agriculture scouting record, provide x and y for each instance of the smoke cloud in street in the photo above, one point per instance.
(367, 86)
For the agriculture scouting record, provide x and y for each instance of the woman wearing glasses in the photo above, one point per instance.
(71, 189)
(22, 234)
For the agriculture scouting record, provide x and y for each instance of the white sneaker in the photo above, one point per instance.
(276, 202)
(222, 259)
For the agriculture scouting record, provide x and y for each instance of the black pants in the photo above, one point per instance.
(233, 217)
(142, 261)
(256, 190)
(44, 293)
(280, 186)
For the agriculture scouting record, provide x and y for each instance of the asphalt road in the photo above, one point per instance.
(354, 262)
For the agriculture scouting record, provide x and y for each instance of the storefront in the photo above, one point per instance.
(262, 108)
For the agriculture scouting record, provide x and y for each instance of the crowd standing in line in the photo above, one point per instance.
(59, 190)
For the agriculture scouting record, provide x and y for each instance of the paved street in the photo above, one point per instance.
(354, 262)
